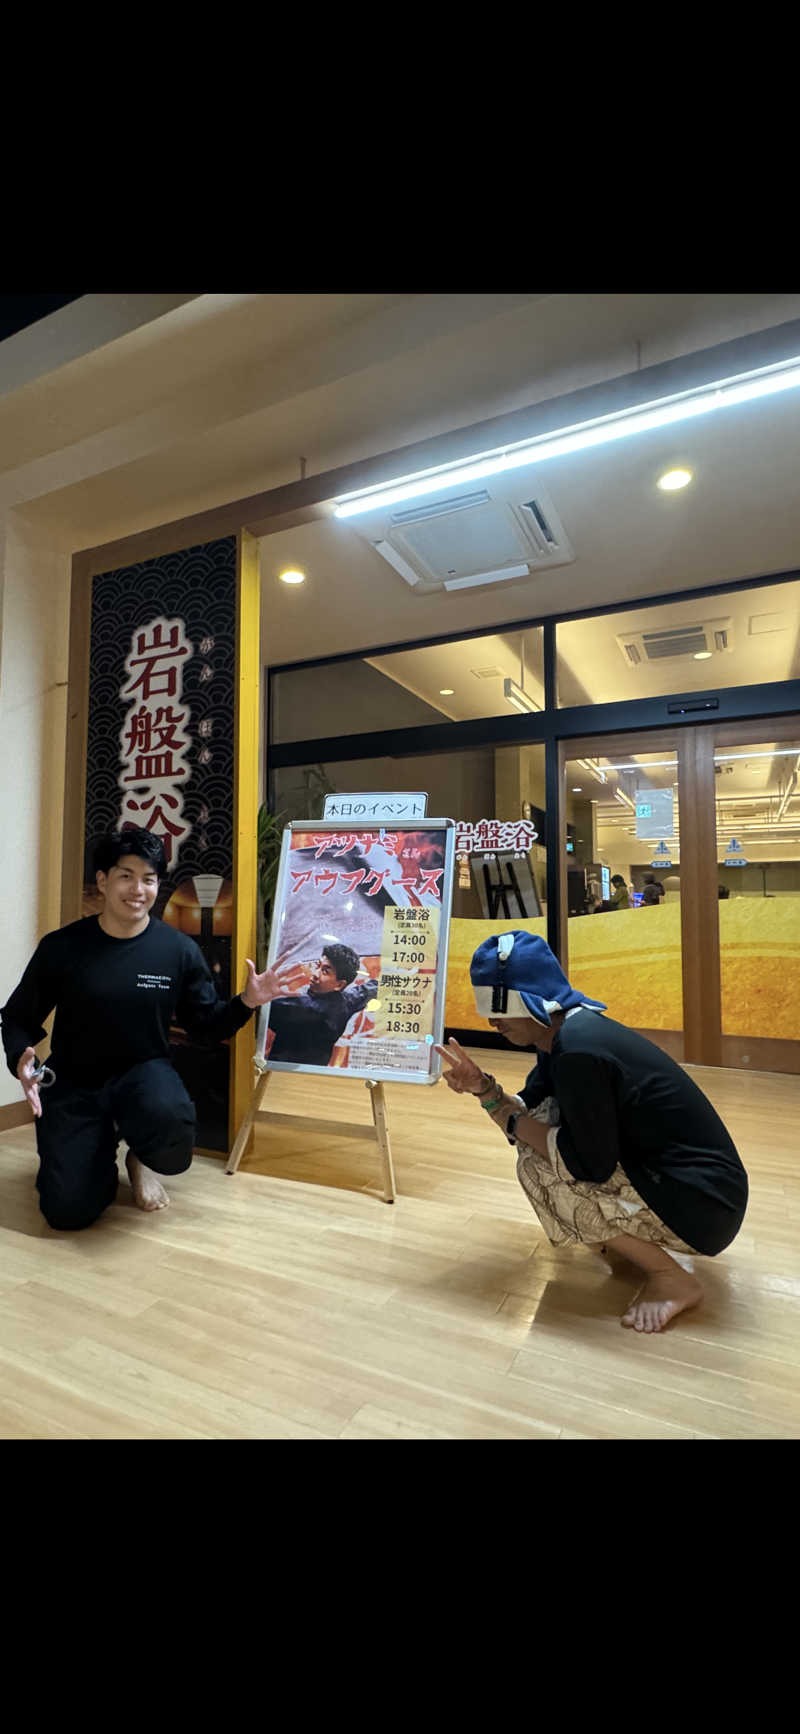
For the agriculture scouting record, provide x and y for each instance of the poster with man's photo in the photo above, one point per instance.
(358, 948)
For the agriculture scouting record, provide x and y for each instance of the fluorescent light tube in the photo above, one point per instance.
(578, 436)
(593, 770)
(517, 697)
(770, 753)
(788, 793)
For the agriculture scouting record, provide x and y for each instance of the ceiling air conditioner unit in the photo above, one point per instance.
(472, 539)
(707, 637)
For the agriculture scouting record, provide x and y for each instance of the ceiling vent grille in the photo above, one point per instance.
(471, 539)
(548, 535)
(704, 638)
(421, 514)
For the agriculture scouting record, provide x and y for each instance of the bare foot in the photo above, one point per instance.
(665, 1293)
(148, 1191)
(620, 1265)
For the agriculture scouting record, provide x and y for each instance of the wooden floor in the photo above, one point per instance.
(289, 1302)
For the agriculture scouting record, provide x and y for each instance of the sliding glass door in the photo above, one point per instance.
(622, 869)
(680, 887)
(758, 851)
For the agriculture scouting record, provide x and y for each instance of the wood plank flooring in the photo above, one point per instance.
(289, 1302)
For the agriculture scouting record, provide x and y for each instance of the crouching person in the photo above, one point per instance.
(617, 1148)
(118, 981)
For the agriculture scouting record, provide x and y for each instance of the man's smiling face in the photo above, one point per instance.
(130, 890)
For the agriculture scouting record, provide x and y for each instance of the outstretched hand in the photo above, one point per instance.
(262, 988)
(464, 1076)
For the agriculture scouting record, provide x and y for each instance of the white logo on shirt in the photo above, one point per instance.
(158, 981)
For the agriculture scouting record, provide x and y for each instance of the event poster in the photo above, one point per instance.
(359, 945)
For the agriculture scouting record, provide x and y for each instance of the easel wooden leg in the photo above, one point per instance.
(382, 1134)
(247, 1124)
(377, 1102)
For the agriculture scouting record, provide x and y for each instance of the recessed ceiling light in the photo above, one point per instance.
(701, 655)
(293, 576)
(446, 691)
(673, 479)
(577, 791)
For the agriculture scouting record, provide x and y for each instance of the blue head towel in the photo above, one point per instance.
(516, 974)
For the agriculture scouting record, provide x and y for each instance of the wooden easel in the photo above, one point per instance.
(302, 1122)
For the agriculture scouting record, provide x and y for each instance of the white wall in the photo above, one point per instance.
(34, 603)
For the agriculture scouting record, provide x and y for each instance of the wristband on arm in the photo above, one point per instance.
(491, 1098)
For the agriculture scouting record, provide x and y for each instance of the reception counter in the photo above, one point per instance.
(631, 959)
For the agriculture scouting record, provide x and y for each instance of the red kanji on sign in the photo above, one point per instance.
(143, 806)
(393, 842)
(147, 731)
(169, 832)
(148, 766)
(302, 879)
(379, 878)
(166, 651)
(351, 880)
(408, 883)
(153, 740)
(323, 844)
(429, 876)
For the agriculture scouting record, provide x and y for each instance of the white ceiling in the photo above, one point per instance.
(739, 517)
(221, 397)
(151, 408)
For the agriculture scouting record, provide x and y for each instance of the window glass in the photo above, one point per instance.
(623, 871)
(497, 675)
(742, 638)
(758, 855)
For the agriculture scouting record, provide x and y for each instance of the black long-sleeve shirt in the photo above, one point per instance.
(115, 1000)
(307, 1025)
(622, 1101)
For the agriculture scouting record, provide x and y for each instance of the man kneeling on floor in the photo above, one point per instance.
(617, 1148)
(118, 980)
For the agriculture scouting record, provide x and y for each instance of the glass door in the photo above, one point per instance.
(757, 789)
(710, 971)
(622, 876)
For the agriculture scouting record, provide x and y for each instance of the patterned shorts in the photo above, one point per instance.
(579, 1210)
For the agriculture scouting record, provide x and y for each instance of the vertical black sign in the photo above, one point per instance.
(160, 755)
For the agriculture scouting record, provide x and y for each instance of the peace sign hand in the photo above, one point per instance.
(464, 1076)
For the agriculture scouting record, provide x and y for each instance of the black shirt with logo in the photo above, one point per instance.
(115, 1000)
(622, 1101)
